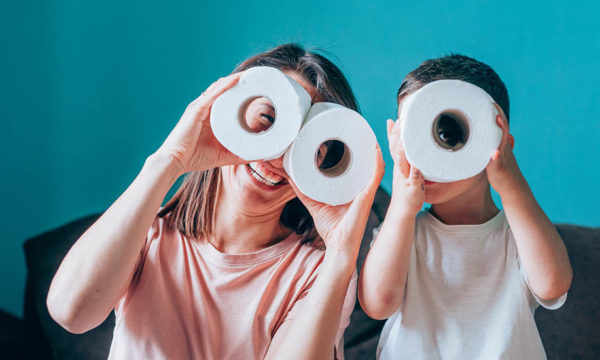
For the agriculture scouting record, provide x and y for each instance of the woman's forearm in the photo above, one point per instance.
(312, 333)
(98, 268)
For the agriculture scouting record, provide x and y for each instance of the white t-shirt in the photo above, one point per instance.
(466, 297)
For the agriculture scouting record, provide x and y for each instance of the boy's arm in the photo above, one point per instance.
(541, 249)
(383, 276)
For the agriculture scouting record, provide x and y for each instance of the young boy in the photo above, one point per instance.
(462, 281)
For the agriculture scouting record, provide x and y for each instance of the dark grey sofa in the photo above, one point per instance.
(573, 332)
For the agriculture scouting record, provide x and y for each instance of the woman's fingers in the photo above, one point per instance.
(205, 101)
(308, 202)
(361, 205)
(378, 171)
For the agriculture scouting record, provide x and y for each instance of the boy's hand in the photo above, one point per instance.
(408, 189)
(502, 171)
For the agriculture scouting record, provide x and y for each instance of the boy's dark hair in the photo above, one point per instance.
(457, 67)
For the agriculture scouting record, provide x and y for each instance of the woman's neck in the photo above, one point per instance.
(239, 229)
(473, 207)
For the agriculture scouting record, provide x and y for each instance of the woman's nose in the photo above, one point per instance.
(277, 163)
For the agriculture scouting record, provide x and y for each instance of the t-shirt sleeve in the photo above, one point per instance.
(547, 304)
(375, 234)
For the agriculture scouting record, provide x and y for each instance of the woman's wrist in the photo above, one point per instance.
(343, 260)
(165, 165)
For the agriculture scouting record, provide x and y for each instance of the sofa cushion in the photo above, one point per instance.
(45, 338)
(573, 331)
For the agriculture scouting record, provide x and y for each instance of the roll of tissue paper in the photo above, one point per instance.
(342, 182)
(290, 100)
(473, 112)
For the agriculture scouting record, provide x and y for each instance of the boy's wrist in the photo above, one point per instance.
(399, 210)
(513, 187)
(515, 192)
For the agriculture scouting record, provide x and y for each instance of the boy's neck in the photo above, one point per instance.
(470, 208)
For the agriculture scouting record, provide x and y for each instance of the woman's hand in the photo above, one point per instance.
(192, 144)
(342, 226)
(312, 334)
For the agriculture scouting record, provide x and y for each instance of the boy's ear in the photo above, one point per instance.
(511, 141)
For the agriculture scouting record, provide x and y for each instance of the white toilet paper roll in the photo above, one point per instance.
(290, 100)
(341, 183)
(472, 109)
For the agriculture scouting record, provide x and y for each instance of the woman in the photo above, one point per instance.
(228, 268)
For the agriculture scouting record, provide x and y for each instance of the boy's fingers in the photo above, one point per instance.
(495, 156)
(501, 112)
(403, 163)
(389, 126)
(415, 175)
(397, 129)
(505, 132)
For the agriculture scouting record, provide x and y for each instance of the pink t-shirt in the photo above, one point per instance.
(189, 301)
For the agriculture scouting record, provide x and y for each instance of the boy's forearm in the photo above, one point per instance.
(540, 247)
(383, 276)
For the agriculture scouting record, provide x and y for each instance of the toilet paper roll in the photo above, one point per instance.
(341, 183)
(290, 100)
(472, 109)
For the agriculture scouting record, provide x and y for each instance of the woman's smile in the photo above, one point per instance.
(264, 177)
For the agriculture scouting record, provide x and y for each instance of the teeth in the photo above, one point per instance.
(263, 175)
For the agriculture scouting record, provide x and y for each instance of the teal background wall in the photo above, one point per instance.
(89, 89)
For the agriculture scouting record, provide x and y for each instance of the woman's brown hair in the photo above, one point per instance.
(192, 206)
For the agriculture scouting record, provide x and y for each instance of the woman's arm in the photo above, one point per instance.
(97, 270)
(540, 247)
(312, 333)
(383, 277)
